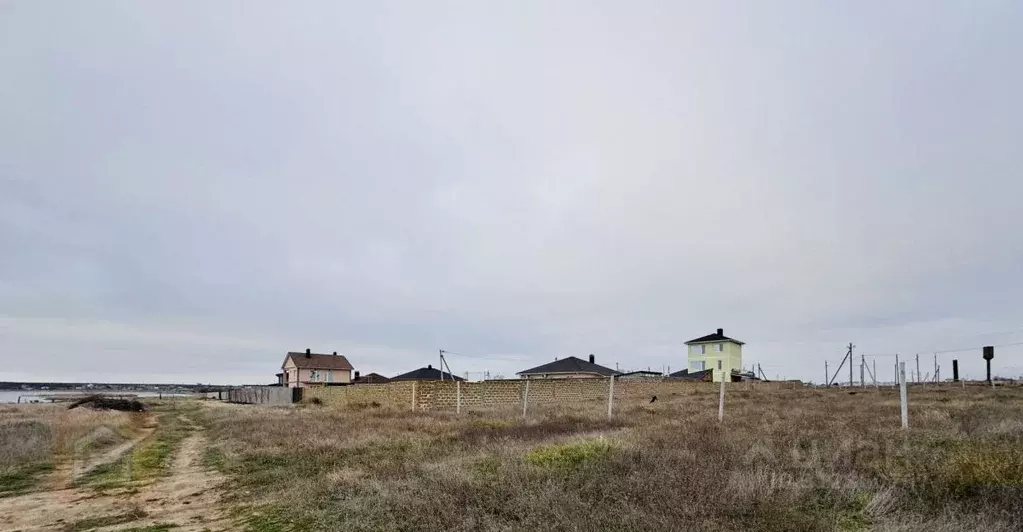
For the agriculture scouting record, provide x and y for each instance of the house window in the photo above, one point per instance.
(699, 366)
(700, 349)
(719, 347)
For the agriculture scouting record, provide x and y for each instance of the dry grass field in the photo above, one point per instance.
(784, 460)
(70, 470)
(35, 439)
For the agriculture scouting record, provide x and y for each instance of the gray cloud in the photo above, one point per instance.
(188, 190)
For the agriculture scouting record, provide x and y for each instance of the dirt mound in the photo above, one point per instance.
(98, 402)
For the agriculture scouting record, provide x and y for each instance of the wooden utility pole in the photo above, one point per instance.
(863, 369)
(873, 374)
(918, 367)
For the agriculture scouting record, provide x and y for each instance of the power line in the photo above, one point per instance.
(446, 352)
(941, 351)
(973, 348)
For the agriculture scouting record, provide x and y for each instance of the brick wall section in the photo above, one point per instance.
(438, 395)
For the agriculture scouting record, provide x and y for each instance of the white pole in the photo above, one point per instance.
(610, 395)
(413, 396)
(721, 402)
(903, 395)
(525, 399)
(458, 397)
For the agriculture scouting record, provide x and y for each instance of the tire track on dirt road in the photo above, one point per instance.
(188, 497)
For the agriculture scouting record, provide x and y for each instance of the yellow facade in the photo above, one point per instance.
(720, 356)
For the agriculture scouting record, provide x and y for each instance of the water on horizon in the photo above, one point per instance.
(11, 396)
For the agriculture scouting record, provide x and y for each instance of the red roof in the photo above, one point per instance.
(318, 361)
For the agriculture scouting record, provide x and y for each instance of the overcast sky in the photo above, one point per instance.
(190, 189)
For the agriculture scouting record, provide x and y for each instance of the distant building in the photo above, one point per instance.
(429, 373)
(304, 369)
(568, 368)
(636, 375)
(370, 378)
(702, 376)
(715, 352)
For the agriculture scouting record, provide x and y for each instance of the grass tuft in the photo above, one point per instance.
(158, 527)
(108, 520)
(21, 479)
(569, 455)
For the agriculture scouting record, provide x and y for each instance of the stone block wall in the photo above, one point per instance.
(444, 395)
(391, 395)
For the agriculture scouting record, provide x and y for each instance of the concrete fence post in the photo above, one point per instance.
(458, 397)
(610, 395)
(413, 396)
(721, 402)
(525, 399)
(903, 395)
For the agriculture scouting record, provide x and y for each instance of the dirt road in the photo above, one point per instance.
(188, 498)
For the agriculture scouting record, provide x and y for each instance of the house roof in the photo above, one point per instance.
(719, 336)
(429, 373)
(318, 361)
(371, 378)
(570, 365)
(692, 376)
(641, 372)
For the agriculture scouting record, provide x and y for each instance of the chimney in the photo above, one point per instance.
(308, 353)
(721, 332)
(356, 375)
(592, 358)
(429, 366)
(335, 353)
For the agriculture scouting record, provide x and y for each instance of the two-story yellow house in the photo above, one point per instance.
(715, 352)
